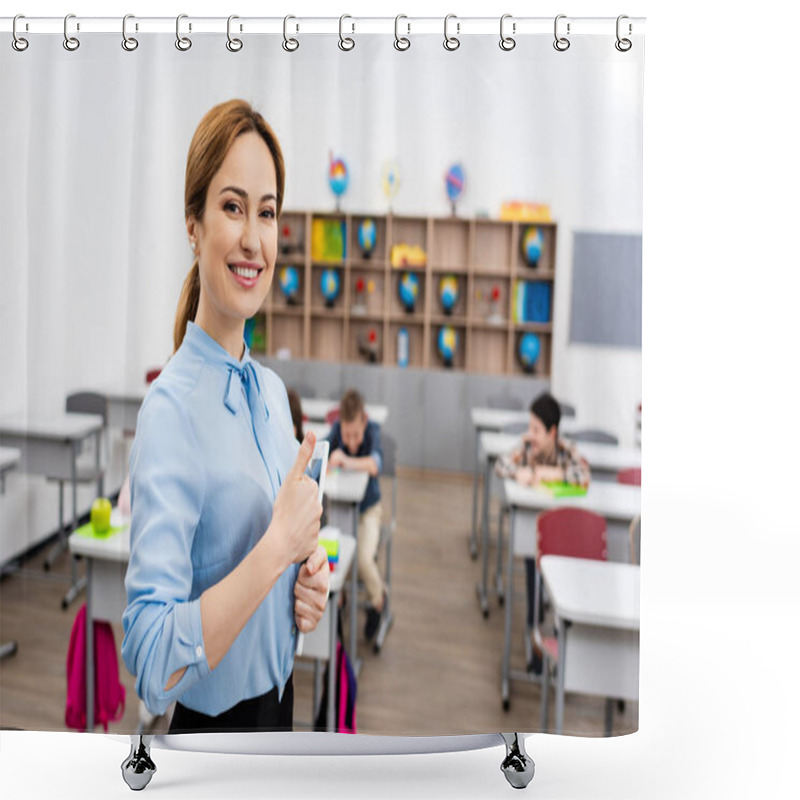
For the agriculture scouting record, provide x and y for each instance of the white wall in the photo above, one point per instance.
(93, 248)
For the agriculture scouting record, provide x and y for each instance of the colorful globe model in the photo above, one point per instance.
(338, 177)
(329, 285)
(408, 289)
(448, 293)
(447, 344)
(528, 350)
(289, 282)
(454, 181)
(367, 236)
(532, 242)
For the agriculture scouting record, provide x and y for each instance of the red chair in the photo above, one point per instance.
(630, 477)
(573, 532)
(332, 416)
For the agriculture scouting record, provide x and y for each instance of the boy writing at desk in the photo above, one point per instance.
(355, 444)
(543, 457)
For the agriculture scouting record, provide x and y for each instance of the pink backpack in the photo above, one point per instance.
(109, 693)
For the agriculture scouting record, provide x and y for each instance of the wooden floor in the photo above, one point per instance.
(438, 673)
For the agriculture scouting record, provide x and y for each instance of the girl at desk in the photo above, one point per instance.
(225, 566)
(542, 455)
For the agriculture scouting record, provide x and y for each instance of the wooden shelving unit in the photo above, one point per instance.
(363, 326)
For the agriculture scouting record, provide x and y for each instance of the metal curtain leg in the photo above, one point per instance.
(517, 766)
(138, 768)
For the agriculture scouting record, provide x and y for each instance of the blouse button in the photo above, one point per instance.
(199, 651)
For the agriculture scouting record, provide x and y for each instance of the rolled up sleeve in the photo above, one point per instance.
(162, 624)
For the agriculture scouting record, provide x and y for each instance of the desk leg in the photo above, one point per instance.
(76, 584)
(473, 541)
(90, 676)
(498, 578)
(354, 598)
(562, 671)
(483, 586)
(332, 721)
(506, 680)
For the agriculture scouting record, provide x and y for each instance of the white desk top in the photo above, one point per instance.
(321, 429)
(344, 486)
(602, 593)
(9, 458)
(316, 409)
(116, 547)
(61, 426)
(493, 419)
(610, 500)
(601, 457)
(347, 549)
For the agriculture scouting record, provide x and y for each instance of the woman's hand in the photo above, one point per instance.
(297, 510)
(311, 591)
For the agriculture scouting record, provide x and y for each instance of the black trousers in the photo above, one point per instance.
(264, 713)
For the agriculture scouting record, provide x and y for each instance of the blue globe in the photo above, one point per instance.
(289, 281)
(454, 182)
(448, 293)
(408, 289)
(329, 285)
(447, 344)
(528, 350)
(367, 236)
(532, 243)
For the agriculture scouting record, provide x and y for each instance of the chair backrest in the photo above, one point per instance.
(630, 477)
(389, 448)
(88, 403)
(635, 533)
(332, 416)
(514, 427)
(505, 402)
(572, 532)
(593, 435)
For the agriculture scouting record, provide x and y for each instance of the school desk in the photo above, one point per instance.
(345, 489)
(50, 446)
(618, 503)
(106, 563)
(596, 607)
(317, 409)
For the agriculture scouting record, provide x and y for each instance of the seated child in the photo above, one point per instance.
(356, 445)
(542, 455)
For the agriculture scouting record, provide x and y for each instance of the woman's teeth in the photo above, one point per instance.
(245, 272)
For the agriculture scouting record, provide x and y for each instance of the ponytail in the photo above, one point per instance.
(187, 304)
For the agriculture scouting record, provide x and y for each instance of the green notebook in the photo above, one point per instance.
(89, 532)
(563, 489)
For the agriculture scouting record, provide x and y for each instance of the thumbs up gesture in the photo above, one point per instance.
(297, 510)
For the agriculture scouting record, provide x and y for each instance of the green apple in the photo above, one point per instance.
(101, 515)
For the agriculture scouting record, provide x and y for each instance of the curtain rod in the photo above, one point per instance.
(346, 25)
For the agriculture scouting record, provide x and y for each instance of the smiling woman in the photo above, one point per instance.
(225, 567)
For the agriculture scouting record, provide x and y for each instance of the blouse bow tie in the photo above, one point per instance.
(259, 414)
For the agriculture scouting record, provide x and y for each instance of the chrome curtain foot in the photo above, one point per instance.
(517, 766)
(138, 768)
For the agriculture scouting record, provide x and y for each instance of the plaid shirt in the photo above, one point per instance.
(566, 455)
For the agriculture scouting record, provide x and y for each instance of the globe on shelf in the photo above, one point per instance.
(289, 282)
(408, 289)
(532, 243)
(448, 293)
(528, 351)
(329, 285)
(454, 183)
(367, 236)
(447, 344)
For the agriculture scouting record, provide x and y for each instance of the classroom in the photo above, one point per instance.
(471, 273)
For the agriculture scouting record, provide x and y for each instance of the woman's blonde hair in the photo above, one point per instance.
(210, 144)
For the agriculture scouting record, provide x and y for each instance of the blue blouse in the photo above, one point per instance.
(214, 441)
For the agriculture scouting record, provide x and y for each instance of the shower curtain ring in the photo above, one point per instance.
(346, 43)
(623, 45)
(70, 42)
(451, 42)
(507, 42)
(128, 42)
(234, 45)
(561, 43)
(289, 44)
(18, 42)
(401, 42)
(183, 43)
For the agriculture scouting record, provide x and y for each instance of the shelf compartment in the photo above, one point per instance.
(365, 341)
(291, 237)
(543, 363)
(546, 262)
(354, 250)
(492, 248)
(450, 245)
(287, 334)
(371, 301)
(416, 333)
(459, 357)
(488, 348)
(327, 336)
